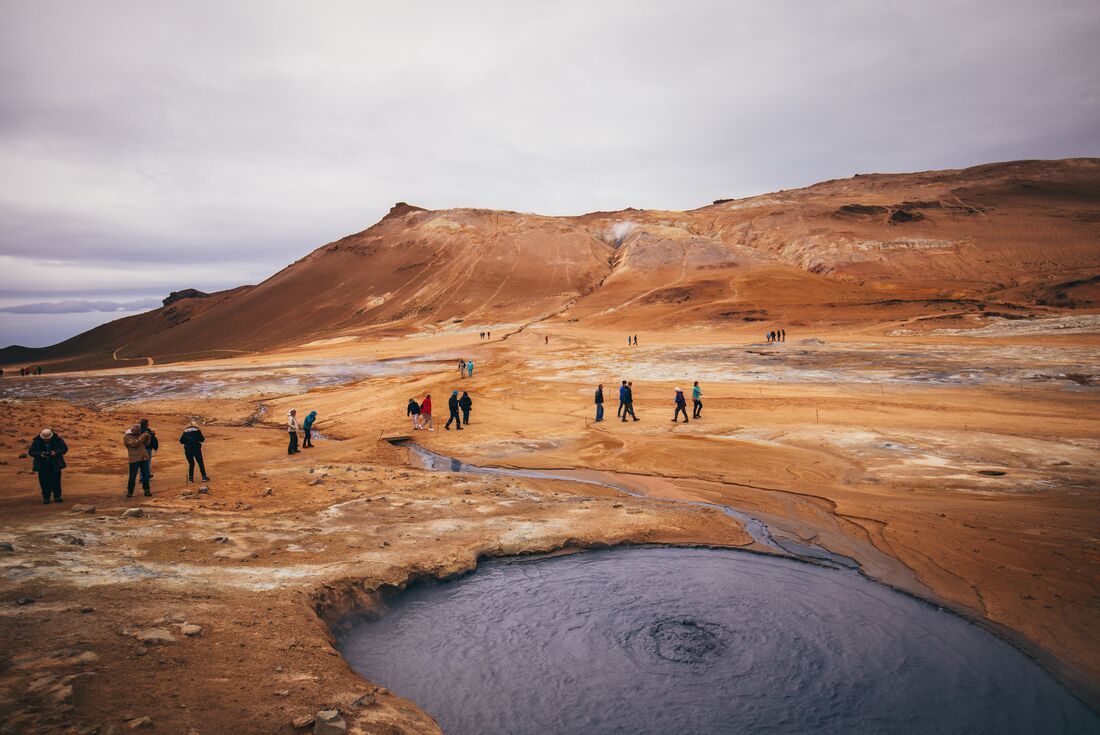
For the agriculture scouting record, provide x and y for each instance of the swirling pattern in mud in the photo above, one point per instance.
(699, 641)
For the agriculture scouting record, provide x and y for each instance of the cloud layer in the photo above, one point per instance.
(181, 144)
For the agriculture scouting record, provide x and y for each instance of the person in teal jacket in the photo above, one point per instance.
(307, 427)
(696, 401)
(470, 369)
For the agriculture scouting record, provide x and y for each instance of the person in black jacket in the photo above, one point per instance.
(413, 410)
(452, 405)
(599, 403)
(681, 407)
(465, 403)
(48, 450)
(192, 440)
(152, 446)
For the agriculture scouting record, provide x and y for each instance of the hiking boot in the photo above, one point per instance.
(190, 479)
(148, 494)
(58, 500)
(205, 478)
(45, 501)
(130, 494)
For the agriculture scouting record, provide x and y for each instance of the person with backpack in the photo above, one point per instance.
(696, 401)
(462, 367)
(48, 451)
(465, 403)
(413, 410)
(470, 369)
(681, 405)
(452, 406)
(599, 403)
(307, 429)
(292, 431)
(154, 445)
(628, 406)
(426, 412)
(136, 442)
(192, 440)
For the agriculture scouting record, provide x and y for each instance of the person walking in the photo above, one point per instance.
(782, 335)
(599, 403)
(307, 430)
(413, 410)
(635, 340)
(426, 412)
(192, 440)
(154, 444)
(470, 369)
(137, 452)
(465, 403)
(292, 431)
(628, 340)
(628, 407)
(461, 367)
(696, 401)
(622, 401)
(681, 406)
(48, 451)
(452, 406)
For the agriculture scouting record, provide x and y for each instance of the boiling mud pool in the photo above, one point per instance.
(664, 640)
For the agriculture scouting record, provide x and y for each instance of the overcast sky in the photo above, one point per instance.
(162, 145)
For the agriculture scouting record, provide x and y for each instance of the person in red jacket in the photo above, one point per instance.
(426, 413)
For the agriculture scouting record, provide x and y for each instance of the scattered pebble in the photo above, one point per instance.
(191, 630)
(156, 637)
(267, 491)
(133, 513)
(6, 547)
(141, 723)
(329, 722)
(302, 721)
(81, 508)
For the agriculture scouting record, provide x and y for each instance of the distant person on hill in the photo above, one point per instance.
(137, 452)
(452, 406)
(292, 431)
(154, 445)
(628, 343)
(696, 401)
(307, 429)
(628, 407)
(547, 339)
(635, 340)
(783, 335)
(1, 372)
(681, 406)
(465, 403)
(39, 369)
(426, 412)
(488, 335)
(470, 368)
(599, 403)
(462, 367)
(413, 410)
(192, 440)
(48, 451)
(481, 335)
(622, 400)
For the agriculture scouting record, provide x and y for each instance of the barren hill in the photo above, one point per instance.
(1008, 238)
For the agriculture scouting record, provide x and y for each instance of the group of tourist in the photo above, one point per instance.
(25, 371)
(626, 402)
(292, 430)
(421, 413)
(465, 368)
(486, 335)
(777, 335)
(628, 340)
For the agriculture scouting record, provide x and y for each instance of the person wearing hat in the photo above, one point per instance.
(137, 451)
(681, 405)
(48, 450)
(192, 440)
(452, 405)
(292, 429)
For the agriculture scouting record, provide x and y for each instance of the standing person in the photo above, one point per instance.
(461, 367)
(622, 401)
(413, 410)
(426, 412)
(470, 369)
(681, 406)
(599, 403)
(292, 430)
(192, 440)
(154, 444)
(307, 428)
(465, 403)
(48, 450)
(628, 340)
(452, 406)
(783, 334)
(628, 407)
(635, 340)
(137, 452)
(696, 401)
(547, 338)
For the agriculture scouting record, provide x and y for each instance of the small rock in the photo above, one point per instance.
(282, 693)
(141, 723)
(86, 609)
(267, 491)
(24, 601)
(141, 650)
(301, 722)
(318, 481)
(243, 506)
(616, 505)
(191, 630)
(204, 490)
(366, 700)
(329, 722)
(156, 637)
(87, 658)
(384, 544)
(81, 508)
(70, 539)
(133, 513)
(221, 539)
(6, 547)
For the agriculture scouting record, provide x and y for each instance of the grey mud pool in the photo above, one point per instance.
(664, 640)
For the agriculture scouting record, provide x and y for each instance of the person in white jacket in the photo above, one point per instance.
(292, 429)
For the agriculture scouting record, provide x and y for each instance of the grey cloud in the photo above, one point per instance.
(75, 306)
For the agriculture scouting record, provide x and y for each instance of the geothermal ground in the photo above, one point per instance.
(955, 465)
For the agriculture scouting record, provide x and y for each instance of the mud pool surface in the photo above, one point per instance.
(662, 640)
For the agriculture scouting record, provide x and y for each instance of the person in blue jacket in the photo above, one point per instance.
(696, 401)
(681, 405)
(307, 427)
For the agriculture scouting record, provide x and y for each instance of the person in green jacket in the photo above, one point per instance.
(696, 401)
(307, 427)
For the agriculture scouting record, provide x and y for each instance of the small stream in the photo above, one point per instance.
(665, 640)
